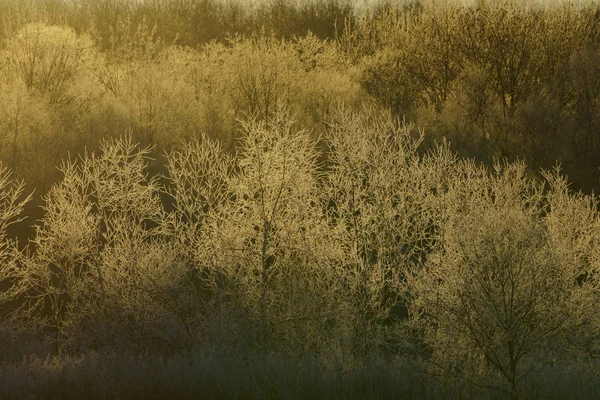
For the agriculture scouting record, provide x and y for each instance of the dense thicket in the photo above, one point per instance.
(186, 22)
(249, 185)
(481, 276)
(497, 79)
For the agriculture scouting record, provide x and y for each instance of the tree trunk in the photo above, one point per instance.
(263, 293)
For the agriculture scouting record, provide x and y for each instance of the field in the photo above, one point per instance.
(209, 199)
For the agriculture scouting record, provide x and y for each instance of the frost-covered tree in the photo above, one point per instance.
(48, 58)
(380, 195)
(255, 224)
(104, 268)
(501, 293)
(277, 203)
(13, 282)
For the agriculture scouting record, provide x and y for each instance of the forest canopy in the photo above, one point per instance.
(407, 185)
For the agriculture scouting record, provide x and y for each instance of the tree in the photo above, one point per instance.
(48, 94)
(13, 281)
(380, 196)
(269, 237)
(499, 293)
(64, 276)
(48, 58)
(105, 268)
(27, 131)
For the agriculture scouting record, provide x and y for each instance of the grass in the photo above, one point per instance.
(211, 375)
(205, 375)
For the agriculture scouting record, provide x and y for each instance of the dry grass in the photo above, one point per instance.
(210, 375)
(206, 375)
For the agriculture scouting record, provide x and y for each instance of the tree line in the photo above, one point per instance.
(390, 184)
(485, 277)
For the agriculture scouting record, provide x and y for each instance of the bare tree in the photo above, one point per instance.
(270, 238)
(381, 198)
(499, 292)
(13, 282)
